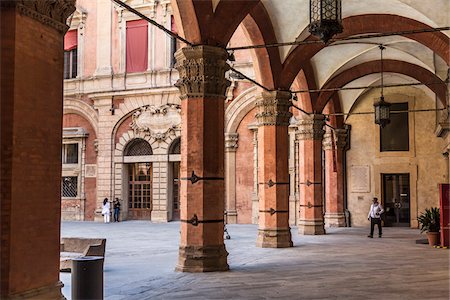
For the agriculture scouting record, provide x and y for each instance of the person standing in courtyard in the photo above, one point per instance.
(106, 210)
(116, 210)
(375, 217)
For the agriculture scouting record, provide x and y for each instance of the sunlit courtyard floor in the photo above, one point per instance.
(344, 264)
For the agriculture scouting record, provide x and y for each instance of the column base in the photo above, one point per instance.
(231, 217)
(47, 292)
(308, 227)
(160, 216)
(334, 220)
(197, 259)
(274, 238)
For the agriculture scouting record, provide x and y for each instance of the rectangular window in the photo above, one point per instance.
(137, 46)
(70, 153)
(69, 186)
(395, 135)
(70, 54)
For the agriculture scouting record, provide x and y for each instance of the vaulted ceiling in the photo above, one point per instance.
(213, 22)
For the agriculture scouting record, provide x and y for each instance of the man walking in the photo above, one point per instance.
(375, 217)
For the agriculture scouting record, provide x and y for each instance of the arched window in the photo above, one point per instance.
(175, 148)
(138, 147)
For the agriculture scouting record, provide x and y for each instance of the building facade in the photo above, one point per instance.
(122, 118)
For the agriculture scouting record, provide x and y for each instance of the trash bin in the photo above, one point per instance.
(87, 277)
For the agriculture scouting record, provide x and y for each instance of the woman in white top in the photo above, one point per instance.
(106, 210)
(375, 217)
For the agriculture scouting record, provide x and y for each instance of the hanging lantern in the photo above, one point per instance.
(325, 18)
(382, 112)
(382, 108)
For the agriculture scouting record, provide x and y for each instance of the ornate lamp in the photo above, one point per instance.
(382, 108)
(325, 18)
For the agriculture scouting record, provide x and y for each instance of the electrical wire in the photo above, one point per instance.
(350, 38)
(134, 11)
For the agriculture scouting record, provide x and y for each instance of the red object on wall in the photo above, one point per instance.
(445, 213)
(137, 46)
(70, 40)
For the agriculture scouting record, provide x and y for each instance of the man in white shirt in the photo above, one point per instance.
(375, 217)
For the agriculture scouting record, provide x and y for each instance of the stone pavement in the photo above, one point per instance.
(344, 264)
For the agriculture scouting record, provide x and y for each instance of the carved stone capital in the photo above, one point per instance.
(231, 142)
(53, 13)
(273, 108)
(311, 127)
(339, 137)
(202, 72)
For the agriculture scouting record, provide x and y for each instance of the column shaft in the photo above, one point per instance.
(202, 85)
(273, 175)
(231, 144)
(310, 133)
(31, 137)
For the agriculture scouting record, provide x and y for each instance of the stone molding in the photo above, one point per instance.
(311, 127)
(273, 108)
(202, 72)
(340, 139)
(52, 13)
(158, 122)
(52, 291)
(231, 142)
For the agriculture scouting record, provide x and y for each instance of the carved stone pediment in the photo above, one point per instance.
(158, 122)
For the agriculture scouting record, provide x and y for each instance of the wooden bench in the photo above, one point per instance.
(73, 247)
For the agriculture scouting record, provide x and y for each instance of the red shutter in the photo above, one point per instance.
(70, 40)
(137, 46)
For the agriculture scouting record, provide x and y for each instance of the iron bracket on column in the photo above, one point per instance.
(308, 183)
(272, 211)
(194, 178)
(309, 205)
(194, 221)
(271, 183)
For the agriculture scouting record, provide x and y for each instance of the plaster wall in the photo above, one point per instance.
(424, 161)
(244, 170)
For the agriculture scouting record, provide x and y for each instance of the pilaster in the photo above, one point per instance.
(231, 145)
(273, 118)
(104, 27)
(334, 143)
(202, 85)
(106, 121)
(310, 133)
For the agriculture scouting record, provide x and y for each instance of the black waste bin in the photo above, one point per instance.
(87, 278)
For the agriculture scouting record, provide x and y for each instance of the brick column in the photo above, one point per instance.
(31, 62)
(231, 145)
(273, 172)
(202, 86)
(333, 144)
(310, 133)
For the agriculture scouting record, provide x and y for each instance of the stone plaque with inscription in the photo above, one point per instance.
(360, 179)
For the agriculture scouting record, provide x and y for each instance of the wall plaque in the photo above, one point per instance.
(360, 179)
(91, 171)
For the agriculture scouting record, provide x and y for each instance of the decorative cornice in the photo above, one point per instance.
(273, 108)
(202, 72)
(53, 13)
(231, 142)
(311, 127)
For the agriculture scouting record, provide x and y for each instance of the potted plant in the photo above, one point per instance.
(429, 221)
